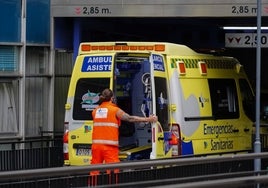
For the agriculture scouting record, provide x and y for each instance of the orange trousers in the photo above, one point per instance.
(102, 153)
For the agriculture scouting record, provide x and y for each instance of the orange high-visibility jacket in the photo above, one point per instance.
(105, 124)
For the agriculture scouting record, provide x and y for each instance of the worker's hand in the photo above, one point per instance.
(153, 118)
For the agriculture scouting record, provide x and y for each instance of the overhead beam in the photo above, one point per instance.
(156, 8)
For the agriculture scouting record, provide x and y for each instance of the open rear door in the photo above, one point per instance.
(159, 94)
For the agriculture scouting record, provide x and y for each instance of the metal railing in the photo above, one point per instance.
(31, 154)
(33, 165)
(182, 172)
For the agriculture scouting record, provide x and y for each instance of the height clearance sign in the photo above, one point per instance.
(152, 8)
(245, 40)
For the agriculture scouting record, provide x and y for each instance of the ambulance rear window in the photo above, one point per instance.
(224, 98)
(86, 96)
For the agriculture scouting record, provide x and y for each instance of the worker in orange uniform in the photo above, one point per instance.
(105, 137)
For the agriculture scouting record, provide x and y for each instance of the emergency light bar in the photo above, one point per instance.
(156, 47)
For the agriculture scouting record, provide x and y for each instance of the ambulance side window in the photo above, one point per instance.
(223, 98)
(248, 99)
(86, 96)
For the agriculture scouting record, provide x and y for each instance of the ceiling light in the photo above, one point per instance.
(242, 28)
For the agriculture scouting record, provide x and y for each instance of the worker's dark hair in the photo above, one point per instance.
(106, 95)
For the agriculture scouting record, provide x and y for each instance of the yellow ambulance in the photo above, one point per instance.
(204, 103)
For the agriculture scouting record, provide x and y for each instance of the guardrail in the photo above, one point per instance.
(219, 170)
(31, 154)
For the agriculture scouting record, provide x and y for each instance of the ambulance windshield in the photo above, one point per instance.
(248, 99)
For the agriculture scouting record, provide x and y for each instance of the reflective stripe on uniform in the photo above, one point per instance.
(109, 142)
(106, 124)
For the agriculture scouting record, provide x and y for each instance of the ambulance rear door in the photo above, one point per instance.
(91, 74)
(159, 90)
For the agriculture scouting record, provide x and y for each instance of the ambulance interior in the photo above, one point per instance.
(133, 95)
